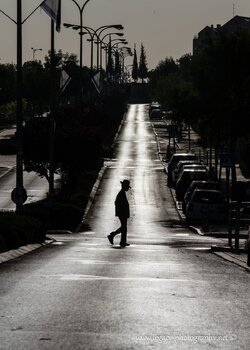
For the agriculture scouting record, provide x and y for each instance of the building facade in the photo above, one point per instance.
(210, 33)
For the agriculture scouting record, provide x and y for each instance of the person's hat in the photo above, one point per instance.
(126, 182)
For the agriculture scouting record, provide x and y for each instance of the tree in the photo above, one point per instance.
(117, 65)
(110, 63)
(221, 76)
(143, 70)
(36, 86)
(163, 69)
(7, 83)
(135, 66)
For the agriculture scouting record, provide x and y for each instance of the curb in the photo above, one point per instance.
(233, 260)
(223, 255)
(197, 230)
(7, 171)
(92, 197)
(16, 253)
(119, 130)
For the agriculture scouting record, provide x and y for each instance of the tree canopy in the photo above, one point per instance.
(135, 66)
(143, 69)
(210, 90)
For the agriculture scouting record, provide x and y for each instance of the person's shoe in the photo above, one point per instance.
(124, 245)
(111, 239)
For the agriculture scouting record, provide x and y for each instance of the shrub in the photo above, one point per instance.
(65, 216)
(8, 146)
(17, 230)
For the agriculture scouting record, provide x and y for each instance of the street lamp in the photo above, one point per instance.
(123, 52)
(81, 9)
(93, 33)
(101, 29)
(34, 51)
(106, 47)
(103, 43)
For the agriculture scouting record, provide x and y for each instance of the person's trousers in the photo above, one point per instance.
(122, 229)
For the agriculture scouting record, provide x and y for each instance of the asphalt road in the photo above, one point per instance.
(165, 291)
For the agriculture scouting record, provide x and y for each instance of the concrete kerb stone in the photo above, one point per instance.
(7, 171)
(232, 259)
(118, 131)
(16, 253)
(91, 197)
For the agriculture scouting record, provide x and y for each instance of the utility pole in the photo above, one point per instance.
(19, 194)
(81, 9)
(52, 113)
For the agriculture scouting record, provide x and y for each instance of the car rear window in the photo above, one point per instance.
(194, 175)
(176, 158)
(208, 197)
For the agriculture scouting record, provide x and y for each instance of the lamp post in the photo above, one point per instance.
(102, 29)
(34, 51)
(81, 9)
(92, 32)
(106, 47)
(89, 30)
(102, 43)
(19, 194)
(123, 52)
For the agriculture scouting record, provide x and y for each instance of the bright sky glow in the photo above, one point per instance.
(166, 27)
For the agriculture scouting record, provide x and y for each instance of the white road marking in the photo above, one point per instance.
(110, 278)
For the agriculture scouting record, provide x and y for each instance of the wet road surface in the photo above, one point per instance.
(165, 291)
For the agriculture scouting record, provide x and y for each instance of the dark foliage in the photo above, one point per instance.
(209, 90)
(143, 69)
(18, 230)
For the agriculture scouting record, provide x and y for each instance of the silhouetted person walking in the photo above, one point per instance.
(122, 211)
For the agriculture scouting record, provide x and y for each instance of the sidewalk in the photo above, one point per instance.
(7, 162)
(160, 130)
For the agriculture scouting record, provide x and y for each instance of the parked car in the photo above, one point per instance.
(209, 205)
(205, 185)
(155, 114)
(154, 105)
(185, 180)
(176, 171)
(190, 167)
(175, 158)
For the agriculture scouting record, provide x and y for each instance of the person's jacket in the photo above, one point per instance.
(122, 205)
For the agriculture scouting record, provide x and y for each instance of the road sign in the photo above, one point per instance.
(227, 160)
(19, 196)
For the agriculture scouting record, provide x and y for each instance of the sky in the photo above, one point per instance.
(165, 27)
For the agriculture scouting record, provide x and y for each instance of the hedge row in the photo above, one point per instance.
(30, 227)
(18, 230)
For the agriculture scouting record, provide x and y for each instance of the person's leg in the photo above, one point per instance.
(114, 233)
(123, 231)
